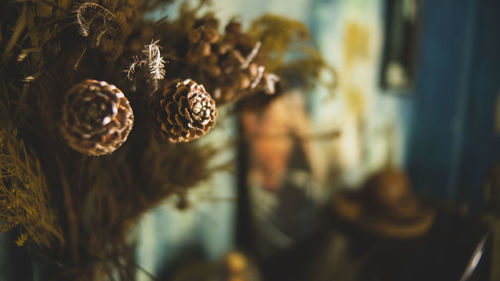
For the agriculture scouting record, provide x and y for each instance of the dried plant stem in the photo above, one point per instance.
(251, 56)
(77, 63)
(156, 62)
(72, 222)
(70, 213)
(257, 80)
(82, 22)
(151, 57)
(20, 25)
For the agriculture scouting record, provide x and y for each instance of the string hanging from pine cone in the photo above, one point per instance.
(184, 111)
(96, 118)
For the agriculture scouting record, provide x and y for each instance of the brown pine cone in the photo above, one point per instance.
(201, 42)
(233, 27)
(96, 118)
(185, 111)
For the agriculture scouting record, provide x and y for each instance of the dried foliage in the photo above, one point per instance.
(290, 52)
(24, 198)
(190, 170)
(99, 11)
(278, 34)
(78, 210)
(152, 59)
(229, 64)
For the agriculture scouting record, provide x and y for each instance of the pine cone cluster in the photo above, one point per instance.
(184, 111)
(228, 64)
(96, 118)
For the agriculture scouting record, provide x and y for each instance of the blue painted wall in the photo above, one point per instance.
(441, 87)
(454, 142)
(482, 138)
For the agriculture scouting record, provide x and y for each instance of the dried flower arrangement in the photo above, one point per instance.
(99, 110)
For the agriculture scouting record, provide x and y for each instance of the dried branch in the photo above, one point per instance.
(20, 25)
(83, 23)
(251, 56)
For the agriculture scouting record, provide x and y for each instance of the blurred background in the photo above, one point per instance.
(416, 109)
(393, 176)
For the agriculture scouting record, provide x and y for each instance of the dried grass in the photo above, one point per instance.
(24, 194)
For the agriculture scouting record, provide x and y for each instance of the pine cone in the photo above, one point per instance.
(185, 111)
(96, 118)
(201, 42)
(229, 65)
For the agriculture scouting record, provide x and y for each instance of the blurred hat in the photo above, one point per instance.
(385, 206)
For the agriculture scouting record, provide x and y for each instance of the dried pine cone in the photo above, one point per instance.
(185, 111)
(201, 42)
(231, 67)
(96, 118)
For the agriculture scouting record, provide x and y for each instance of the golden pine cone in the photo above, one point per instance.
(96, 118)
(185, 111)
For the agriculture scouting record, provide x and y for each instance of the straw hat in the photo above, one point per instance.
(385, 206)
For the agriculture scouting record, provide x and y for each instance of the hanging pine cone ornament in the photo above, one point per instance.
(96, 118)
(185, 111)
